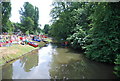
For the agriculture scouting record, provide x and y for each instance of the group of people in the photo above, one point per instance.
(13, 39)
(6, 40)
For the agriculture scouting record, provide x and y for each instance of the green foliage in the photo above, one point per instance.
(104, 34)
(6, 12)
(91, 26)
(27, 10)
(28, 25)
(36, 19)
(117, 67)
(17, 26)
(9, 26)
(29, 18)
(46, 28)
(77, 39)
(63, 15)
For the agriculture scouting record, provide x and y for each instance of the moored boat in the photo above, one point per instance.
(33, 44)
(36, 40)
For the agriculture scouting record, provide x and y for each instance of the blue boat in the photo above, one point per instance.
(36, 40)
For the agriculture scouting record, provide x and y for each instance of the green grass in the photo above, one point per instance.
(48, 40)
(22, 50)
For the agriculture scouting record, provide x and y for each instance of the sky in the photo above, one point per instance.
(44, 10)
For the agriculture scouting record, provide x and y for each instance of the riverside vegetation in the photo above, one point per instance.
(92, 26)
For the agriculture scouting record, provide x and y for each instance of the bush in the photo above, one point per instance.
(117, 67)
(77, 39)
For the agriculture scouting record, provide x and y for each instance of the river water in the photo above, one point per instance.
(53, 62)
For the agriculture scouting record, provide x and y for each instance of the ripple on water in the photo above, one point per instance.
(56, 63)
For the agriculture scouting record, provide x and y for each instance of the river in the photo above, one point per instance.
(53, 62)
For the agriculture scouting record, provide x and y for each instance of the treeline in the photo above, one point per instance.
(92, 26)
(28, 19)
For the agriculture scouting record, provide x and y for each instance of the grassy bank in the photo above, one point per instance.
(8, 54)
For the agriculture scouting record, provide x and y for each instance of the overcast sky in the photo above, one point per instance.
(44, 10)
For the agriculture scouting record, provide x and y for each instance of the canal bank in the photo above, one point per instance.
(53, 62)
(15, 51)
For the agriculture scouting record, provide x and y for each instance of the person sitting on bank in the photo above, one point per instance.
(66, 43)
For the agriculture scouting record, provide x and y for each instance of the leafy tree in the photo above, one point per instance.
(46, 28)
(104, 33)
(36, 19)
(92, 26)
(81, 27)
(117, 67)
(61, 27)
(17, 26)
(29, 18)
(71, 18)
(6, 12)
(9, 26)
(27, 25)
(27, 10)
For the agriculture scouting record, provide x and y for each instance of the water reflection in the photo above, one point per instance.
(34, 66)
(64, 65)
(67, 64)
(56, 63)
(7, 72)
(20, 68)
(29, 62)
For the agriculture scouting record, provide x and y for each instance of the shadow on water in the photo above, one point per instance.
(67, 64)
(51, 62)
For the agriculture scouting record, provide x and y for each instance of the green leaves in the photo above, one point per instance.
(29, 18)
(77, 39)
(91, 26)
(46, 28)
(6, 12)
(117, 67)
(68, 16)
(102, 36)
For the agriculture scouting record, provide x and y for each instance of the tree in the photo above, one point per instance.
(27, 25)
(66, 18)
(104, 33)
(27, 10)
(17, 27)
(9, 26)
(61, 27)
(36, 19)
(6, 13)
(92, 26)
(29, 18)
(46, 28)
